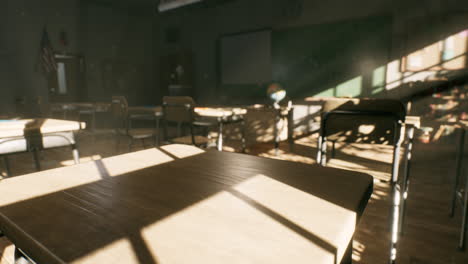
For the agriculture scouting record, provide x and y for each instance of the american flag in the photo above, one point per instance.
(47, 59)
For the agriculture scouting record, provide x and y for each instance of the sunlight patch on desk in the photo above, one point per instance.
(235, 229)
(308, 211)
(46, 182)
(119, 251)
(134, 161)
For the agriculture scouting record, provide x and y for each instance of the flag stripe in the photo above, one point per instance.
(47, 54)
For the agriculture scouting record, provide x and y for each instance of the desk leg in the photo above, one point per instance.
(36, 159)
(220, 136)
(291, 130)
(243, 136)
(7, 165)
(319, 150)
(276, 132)
(76, 155)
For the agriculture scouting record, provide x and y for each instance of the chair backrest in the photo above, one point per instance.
(362, 120)
(119, 109)
(178, 109)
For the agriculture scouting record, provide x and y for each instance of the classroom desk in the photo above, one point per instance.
(36, 134)
(219, 115)
(82, 108)
(223, 116)
(281, 113)
(180, 204)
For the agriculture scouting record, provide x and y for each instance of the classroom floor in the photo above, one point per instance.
(430, 234)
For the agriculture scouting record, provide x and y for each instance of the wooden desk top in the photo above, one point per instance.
(18, 128)
(413, 121)
(178, 204)
(199, 111)
(219, 111)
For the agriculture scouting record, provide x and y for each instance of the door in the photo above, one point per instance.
(67, 83)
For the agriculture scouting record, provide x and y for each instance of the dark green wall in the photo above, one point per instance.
(311, 59)
(338, 58)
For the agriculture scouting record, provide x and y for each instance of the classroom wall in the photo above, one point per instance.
(23, 22)
(378, 32)
(123, 44)
(200, 27)
(118, 44)
(113, 37)
(8, 83)
(332, 59)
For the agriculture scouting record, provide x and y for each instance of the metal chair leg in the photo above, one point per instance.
(333, 149)
(395, 217)
(396, 162)
(323, 160)
(396, 154)
(406, 176)
(322, 151)
(220, 136)
(319, 150)
(76, 154)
